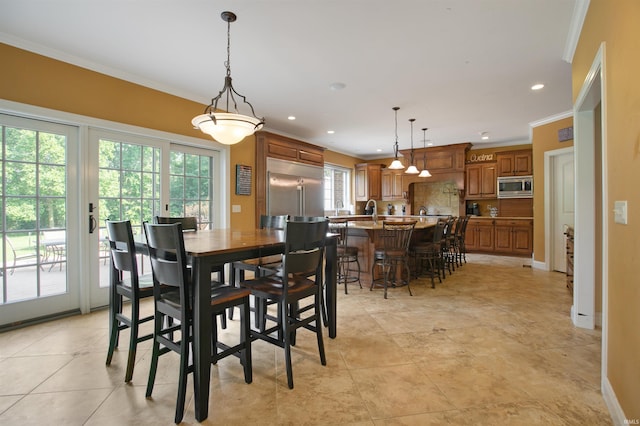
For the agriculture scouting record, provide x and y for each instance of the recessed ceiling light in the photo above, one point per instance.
(337, 86)
(291, 117)
(379, 150)
(484, 136)
(330, 132)
(537, 86)
(429, 143)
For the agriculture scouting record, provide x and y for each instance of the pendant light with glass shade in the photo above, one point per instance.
(229, 127)
(396, 164)
(412, 170)
(424, 172)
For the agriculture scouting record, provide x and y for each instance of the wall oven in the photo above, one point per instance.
(515, 187)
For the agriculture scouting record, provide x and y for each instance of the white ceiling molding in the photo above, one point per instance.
(575, 28)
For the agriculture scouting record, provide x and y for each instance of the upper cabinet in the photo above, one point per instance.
(481, 181)
(368, 181)
(392, 185)
(284, 148)
(515, 163)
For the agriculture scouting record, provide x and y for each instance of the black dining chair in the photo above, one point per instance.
(296, 289)
(173, 310)
(260, 266)
(190, 224)
(125, 282)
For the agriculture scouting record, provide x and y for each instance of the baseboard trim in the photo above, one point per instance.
(536, 264)
(615, 410)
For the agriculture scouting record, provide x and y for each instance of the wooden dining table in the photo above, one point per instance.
(214, 247)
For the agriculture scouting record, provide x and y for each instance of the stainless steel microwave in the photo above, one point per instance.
(515, 187)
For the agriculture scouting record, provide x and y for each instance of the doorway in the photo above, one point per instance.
(591, 216)
(40, 227)
(559, 205)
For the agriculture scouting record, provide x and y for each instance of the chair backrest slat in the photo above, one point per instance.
(122, 246)
(273, 222)
(304, 248)
(397, 235)
(168, 258)
(188, 223)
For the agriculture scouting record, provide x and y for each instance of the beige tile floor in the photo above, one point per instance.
(491, 345)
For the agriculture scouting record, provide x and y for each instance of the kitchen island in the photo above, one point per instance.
(363, 233)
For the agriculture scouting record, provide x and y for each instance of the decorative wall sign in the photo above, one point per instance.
(479, 158)
(243, 180)
(565, 134)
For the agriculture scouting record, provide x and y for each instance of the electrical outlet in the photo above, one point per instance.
(235, 208)
(620, 212)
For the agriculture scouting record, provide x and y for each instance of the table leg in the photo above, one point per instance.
(201, 335)
(331, 284)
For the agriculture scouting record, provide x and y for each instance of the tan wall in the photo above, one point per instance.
(544, 138)
(616, 23)
(34, 79)
(37, 80)
(243, 153)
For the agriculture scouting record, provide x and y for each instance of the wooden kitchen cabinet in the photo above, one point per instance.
(481, 181)
(500, 236)
(368, 181)
(284, 148)
(391, 185)
(480, 235)
(515, 163)
(514, 236)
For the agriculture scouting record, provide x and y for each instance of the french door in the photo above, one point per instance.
(39, 229)
(136, 178)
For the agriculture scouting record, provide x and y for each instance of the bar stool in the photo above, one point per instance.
(346, 254)
(430, 252)
(392, 253)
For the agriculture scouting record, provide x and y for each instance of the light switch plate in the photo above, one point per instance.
(235, 208)
(620, 212)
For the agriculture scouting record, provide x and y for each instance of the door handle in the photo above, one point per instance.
(92, 224)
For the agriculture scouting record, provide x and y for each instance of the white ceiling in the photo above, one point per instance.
(459, 67)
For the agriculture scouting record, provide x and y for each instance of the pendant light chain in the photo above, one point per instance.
(228, 63)
(230, 126)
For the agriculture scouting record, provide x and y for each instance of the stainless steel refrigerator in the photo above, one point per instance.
(294, 189)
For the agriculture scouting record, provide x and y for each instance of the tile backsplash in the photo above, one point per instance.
(439, 198)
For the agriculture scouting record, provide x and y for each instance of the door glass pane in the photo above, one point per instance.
(34, 210)
(129, 189)
(190, 186)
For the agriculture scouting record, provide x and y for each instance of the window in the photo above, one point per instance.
(336, 187)
(190, 186)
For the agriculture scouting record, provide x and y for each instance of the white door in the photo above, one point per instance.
(562, 187)
(41, 229)
(136, 178)
(124, 170)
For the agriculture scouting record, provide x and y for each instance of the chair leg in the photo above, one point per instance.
(184, 370)
(133, 339)
(406, 266)
(155, 353)
(114, 325)
(323, 307)
(386, 278)
(323, 358)
(245, 337)
(286, 336)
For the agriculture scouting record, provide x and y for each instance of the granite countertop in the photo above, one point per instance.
(501, 217)
(421, 222)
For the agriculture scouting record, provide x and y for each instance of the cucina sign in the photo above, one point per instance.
(476, 158)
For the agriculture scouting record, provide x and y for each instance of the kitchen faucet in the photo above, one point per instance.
(339, 205)
(374, 215)
(423, 211)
